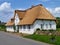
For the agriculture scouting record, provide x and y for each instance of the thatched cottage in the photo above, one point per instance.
(27, 21)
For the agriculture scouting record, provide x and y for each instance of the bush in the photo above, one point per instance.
(51, 30)
(38, 29)
(2, 27)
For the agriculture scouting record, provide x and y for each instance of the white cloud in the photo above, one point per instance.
(5, 6)
(21, 9)
(55, 11)
(6, 11)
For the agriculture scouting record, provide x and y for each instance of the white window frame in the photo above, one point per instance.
(29, 27)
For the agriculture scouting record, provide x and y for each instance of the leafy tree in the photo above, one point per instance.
(58, 22)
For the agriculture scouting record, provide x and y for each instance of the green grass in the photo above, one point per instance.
(44, 38)
(57, 40)
(58, 29)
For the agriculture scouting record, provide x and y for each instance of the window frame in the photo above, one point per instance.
(24, 27)
(46, 25)
(42, 26)
(29, 27)
(50, 25)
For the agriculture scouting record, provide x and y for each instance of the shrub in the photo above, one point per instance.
(51, 30)
(38, 29)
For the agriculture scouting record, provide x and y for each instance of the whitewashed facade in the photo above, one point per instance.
(30, 29)
(16, 22)
(39, 18)
(10, 28)
(43, 25)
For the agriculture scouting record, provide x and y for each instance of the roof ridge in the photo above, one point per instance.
(34, 6)
(21, 10)
(33, 13)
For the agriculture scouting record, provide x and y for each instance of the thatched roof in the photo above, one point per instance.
(20, 13)
(36, 12)
(10, 23)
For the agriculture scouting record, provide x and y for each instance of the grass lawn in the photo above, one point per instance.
(58, 29)
(57, 40)
(44, 38)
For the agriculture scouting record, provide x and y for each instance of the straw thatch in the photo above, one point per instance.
(30, 15)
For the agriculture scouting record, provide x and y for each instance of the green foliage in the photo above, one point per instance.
(51, 30)
(58, 22)
(58, 18)
(58, 29)
(2, 27)
(37, 29)
(57, 40)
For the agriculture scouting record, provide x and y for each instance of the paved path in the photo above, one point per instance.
(10, 39)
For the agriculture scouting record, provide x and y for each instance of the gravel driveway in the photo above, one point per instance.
(11, 39)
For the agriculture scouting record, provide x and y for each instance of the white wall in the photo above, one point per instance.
(28, 31)
(10, 28)
(16, 19)
(36, 25)
(16, 22)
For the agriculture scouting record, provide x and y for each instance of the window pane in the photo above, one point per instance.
(50, 25)
(46, 25)
(28, 26)
(24, 27)
(42, 26)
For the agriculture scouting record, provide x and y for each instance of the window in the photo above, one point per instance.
(28, 27)
(20, 27)
(10, 27)
(50, 25)
(42, 26)
(24, 27)
(46, 25)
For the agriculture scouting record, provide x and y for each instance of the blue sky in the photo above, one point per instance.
(7, 7)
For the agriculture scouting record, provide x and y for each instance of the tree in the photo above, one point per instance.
(58, 22)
